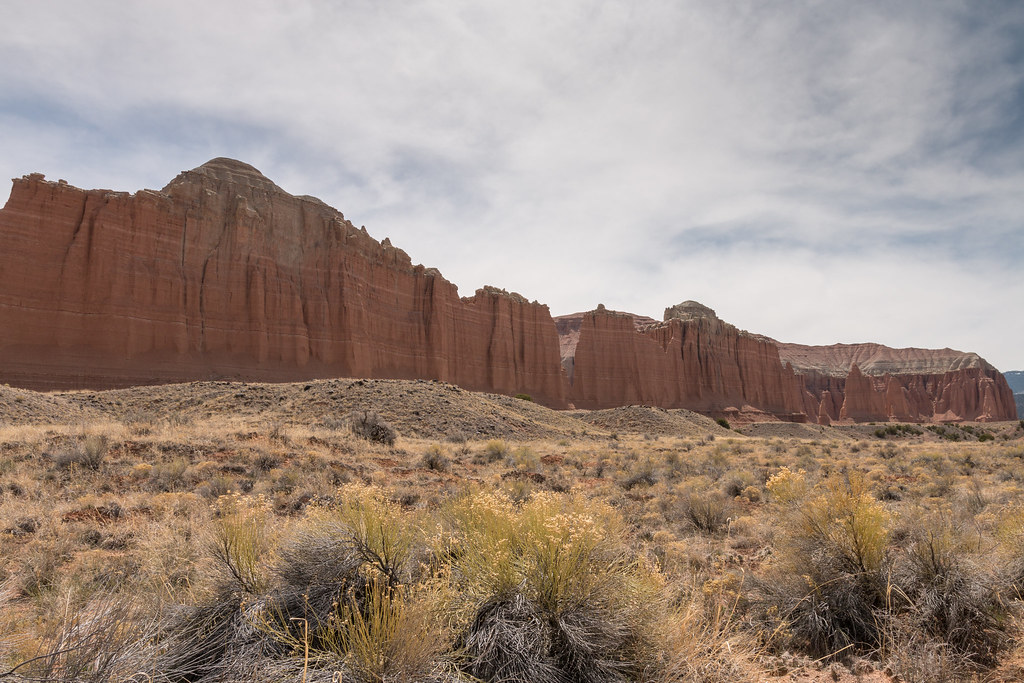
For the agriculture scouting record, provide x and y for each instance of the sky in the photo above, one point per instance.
(815, 171)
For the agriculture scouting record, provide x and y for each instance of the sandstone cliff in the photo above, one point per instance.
(866, 382)
(222, 274)
(691, 360)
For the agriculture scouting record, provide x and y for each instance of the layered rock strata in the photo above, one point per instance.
(868, 382)
(696, 361)
(691, 360)
(224, 275)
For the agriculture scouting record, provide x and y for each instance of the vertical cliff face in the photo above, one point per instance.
(868, 382)
(694, 360)
(691, 360)
(223, 274)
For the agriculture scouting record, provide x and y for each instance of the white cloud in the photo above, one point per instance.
(814, 171)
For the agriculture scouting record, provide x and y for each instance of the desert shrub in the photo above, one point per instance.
(641, 474)
(787, 486)
(371, 426)
(1010, 534)
(735, 482)
(518, 489)
(493, 451)
(387, 636)
(525, 397)
(100, 641)
(703, 643)
(898, 430)
(334, 423)
(41, 562)
(705, 511)
(218, 485)
(241, 541)
(938, 591)
(435, 459)
(722, 422)
(546, 591)
(715, 463)
(751, 494)
(351, 565)
(168, 476)
(524, 459)
(264, 461)
(94, 450)
(918, 660)
(828, 587)
(846, 519)
(275, 431)
(212, 640)
(89, 454)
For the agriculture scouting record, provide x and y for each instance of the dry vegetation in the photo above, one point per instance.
(226, 532)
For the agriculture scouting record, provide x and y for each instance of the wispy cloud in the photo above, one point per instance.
(815, 171)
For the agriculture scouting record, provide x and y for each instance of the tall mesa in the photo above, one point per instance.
(224, 275)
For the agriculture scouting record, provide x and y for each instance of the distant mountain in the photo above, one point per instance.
(1015, 378)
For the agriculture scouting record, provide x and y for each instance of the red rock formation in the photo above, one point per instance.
(692, 360)
(870, 382)
(224, 275)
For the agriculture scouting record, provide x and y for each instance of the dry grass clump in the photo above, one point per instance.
(844, 583)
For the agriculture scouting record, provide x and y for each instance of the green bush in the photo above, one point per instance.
(722, 422)
(898, 430)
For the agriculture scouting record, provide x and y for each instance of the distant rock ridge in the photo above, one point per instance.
(231, 172)
(1015, 378)
(876, 360)
(224, 275)
(688, 310)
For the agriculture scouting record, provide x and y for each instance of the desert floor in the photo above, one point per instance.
(227, 531)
